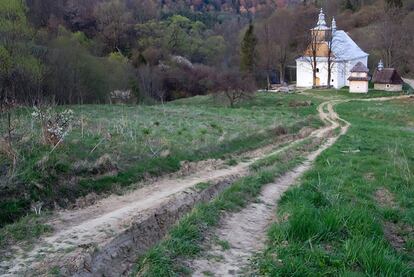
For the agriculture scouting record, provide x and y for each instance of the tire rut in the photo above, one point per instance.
(245, 231)
(109, 235)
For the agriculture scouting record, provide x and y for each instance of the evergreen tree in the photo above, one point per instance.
(348, 5)
(394, 3)
(248, 51)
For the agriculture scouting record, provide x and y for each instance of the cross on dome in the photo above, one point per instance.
(321, 25)
(321, 21)
(380, 65)
(333, 25)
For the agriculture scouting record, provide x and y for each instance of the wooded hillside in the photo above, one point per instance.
(79, 51)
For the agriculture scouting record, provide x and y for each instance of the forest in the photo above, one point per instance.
(90, 51)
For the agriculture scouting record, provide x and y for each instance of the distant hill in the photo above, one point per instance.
(239, 6)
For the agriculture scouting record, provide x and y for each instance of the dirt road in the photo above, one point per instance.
(245, 231)
(108, 236)
(110, 226)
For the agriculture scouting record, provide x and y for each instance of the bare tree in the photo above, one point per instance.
(276, 37)
(267, 59)
(391, 37)
(311, 54)
(113, 20)
(408, 28)
(330, 55)
(235, 87)
(150, 83)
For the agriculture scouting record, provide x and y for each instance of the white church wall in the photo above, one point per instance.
(304, 74)
(322, 67)
(338, 79)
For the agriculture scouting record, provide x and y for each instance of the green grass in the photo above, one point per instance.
(27, 228)
(202, 186)
(225, 245)
(408, 89)
(333, 224)
(186, 238)
(143, 141)
(344, 94)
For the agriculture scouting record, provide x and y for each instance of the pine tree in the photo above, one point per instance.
(348, 5)
(248, 51)
(394, 3)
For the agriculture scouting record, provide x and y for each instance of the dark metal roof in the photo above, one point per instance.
(387, 76)
(360, 67)
(358, 78)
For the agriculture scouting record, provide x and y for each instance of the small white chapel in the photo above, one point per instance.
(345, 54)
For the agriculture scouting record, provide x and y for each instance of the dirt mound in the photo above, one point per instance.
(104, 165)
(384, 197)
(393, 233)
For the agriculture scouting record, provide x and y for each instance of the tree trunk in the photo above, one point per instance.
(268, 80)
(329, 72)
(282, 73)
(314, 72)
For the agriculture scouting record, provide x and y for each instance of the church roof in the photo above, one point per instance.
(387, 76)
(360, 67)
(353, 78)
(344, 48)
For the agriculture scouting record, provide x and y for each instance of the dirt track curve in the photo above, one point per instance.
(108, 236)
(245, 231)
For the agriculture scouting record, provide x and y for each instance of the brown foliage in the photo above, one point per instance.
(234, 86)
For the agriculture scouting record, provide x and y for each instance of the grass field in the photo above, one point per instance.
(111, 147)
(344, 94)
(185, 240)
(353, 213)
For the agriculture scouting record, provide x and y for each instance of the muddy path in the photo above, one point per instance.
(245, 232)
(109, 235)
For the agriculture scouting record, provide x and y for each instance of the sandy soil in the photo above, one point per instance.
(98, 224)
(245, 231)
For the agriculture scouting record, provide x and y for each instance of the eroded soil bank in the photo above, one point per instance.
(108, 236)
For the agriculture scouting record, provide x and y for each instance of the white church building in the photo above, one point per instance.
(345, 54)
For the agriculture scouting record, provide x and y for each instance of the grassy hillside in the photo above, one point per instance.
(110, 147)
(352, 215)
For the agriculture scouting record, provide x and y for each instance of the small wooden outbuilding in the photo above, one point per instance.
(358, 81)
(387, 79)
